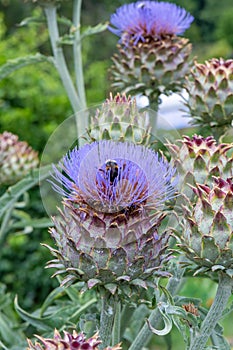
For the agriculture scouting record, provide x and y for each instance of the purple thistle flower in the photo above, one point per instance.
(108, 231)
(142, 19)
(111, 176)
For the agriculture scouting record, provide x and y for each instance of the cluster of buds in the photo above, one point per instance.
(16, 158)
(152, 58)
(74, 341)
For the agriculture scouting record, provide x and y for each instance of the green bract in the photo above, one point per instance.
(102, 261)
(152, 67)
(120, 120)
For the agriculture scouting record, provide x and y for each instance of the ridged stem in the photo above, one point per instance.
(117, 324)
(77, 50)
(60, 63)
(223, 293)
(81, 118)
(108, 309)
(145, 334)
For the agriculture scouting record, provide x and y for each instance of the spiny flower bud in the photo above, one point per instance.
(207, 226)
(74, 341)
(107, 233)
(210, 88)
(120, 120)
(151, 58)
(16, 158)
(197, 159)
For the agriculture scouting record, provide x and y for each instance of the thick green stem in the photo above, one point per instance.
(107, 316)
(77, 49)
(145, 334)
(60, 63)
(81, 118)
(223, 293)
(117, 325)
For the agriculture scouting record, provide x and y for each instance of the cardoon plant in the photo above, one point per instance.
(111, 231)
(152, 58)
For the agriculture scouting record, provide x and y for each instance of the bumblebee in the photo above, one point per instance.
(112, 168)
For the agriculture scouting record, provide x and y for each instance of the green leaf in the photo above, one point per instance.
(28, 20)
(50, 299)
(9, 198)
(33, 223)
(167, 322)
(69, 39)
(37, 322)
(101, 27)
(3, 346)
(6, 330)
(15, 64)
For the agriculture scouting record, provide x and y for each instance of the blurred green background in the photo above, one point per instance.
(33, 103)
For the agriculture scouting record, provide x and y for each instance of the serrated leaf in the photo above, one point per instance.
(167, 323)
(67, 39)
(101, 27)
(50, 299)
(12, 65)
(34, 223)
(14, 192)
(37, 322)
(6, 331)
(29, 20)
(3, 346)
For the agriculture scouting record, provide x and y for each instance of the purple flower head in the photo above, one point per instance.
(149, 19)
(114, 176)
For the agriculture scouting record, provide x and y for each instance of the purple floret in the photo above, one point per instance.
(115, 175)
(142, 19)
